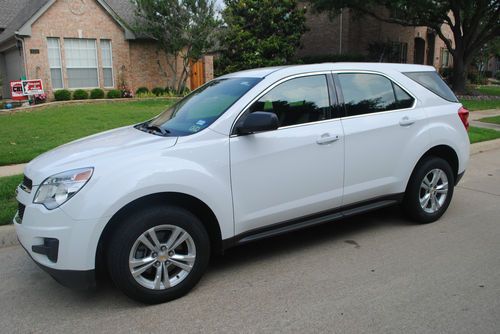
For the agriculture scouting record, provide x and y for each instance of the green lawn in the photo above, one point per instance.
(8, 204)
(477, 135)
(489, 90)
(480, 104)
(494, 119)
(24, 135)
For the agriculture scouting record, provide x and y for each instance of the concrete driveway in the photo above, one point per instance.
(376, 273)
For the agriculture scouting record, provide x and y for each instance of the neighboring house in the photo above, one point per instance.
(80, 44)
(353, 34)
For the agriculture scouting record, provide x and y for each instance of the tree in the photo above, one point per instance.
(473, 23)
(183, 30)
(260, 33)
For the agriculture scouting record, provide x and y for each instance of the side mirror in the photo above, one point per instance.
(256, 122)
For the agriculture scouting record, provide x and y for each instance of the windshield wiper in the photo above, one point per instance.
(155, 128)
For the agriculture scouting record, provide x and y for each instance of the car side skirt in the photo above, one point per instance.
(312, 220)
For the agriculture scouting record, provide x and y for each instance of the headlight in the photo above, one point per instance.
(59, 188)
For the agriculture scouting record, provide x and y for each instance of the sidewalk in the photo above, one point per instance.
(11, 170)
(475, 116)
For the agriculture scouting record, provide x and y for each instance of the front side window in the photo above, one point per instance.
(81, 63)
(297, 101)
(200, 108)
(54, 53)
(366, 93)
(107, 63)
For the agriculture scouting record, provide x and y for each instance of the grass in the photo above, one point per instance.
(489, 90)
(480, 104)
(8, 204)
(477, 135)
(493, 119)
(25, 135)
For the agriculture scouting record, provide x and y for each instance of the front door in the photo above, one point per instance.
(296, 170)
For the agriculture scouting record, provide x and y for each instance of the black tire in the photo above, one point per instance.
(134, 226)
(411, 203)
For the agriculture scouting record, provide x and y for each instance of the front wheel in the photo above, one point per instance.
(158, 254)
(429, 190)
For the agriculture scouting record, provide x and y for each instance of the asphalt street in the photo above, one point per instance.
(375, 273)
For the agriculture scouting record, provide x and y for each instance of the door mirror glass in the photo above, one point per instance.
(256, 122)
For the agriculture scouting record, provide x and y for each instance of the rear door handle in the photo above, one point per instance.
(406, 121)
(327, 138)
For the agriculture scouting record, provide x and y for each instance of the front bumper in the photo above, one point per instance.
(74, 279)
(62, 246)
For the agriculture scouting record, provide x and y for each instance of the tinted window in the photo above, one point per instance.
(202, 107)
(433, 82)
(297, 101)
(369, 93)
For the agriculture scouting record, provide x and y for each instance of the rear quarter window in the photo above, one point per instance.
(433, 82)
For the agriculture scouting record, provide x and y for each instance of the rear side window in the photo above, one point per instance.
(366, 93)
(433, 82)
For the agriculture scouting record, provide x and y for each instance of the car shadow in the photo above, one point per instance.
(343, 230)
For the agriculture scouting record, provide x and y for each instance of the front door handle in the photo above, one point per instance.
(327, 138)
(406, 121)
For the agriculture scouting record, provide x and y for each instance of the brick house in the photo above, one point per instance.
(353, 34)
(80, 44)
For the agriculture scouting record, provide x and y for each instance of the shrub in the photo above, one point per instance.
(62, 95)
(80, 94)
(158, 91)
(96, 93)
(114, 94)
(142, 90)
(145, 95)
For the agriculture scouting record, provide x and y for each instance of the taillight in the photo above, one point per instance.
(464, 117)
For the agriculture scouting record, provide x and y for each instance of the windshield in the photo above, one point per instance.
(201, 108)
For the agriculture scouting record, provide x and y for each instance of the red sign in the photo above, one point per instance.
(32, 87)
(16, 90)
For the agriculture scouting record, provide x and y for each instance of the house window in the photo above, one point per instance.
(445, 57)
(54, 53)
(397, 52)
(81, 63)
(107, 62)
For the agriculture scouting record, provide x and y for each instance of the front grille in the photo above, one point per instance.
(20, 211)
(27, 184)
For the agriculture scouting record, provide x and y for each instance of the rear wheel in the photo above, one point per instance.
(429, 190)
(158, 254)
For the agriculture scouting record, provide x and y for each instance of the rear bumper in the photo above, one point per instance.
(74, 279)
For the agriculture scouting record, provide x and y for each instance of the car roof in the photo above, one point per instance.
(265, 71)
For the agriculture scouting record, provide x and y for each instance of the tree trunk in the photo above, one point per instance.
(459, 75)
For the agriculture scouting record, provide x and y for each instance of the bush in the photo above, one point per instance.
(62, 95)
(114, 94)
(145, 95)
(142, 90)
(96, 93)
(80, 94)
(158, 91)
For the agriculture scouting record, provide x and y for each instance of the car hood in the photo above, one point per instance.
(106, 147)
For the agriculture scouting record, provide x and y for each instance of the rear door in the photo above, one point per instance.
(296, 170)
(382, 128)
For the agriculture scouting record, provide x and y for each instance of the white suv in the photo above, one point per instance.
(248, 155)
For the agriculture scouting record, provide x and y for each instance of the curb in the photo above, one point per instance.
(8, 236)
